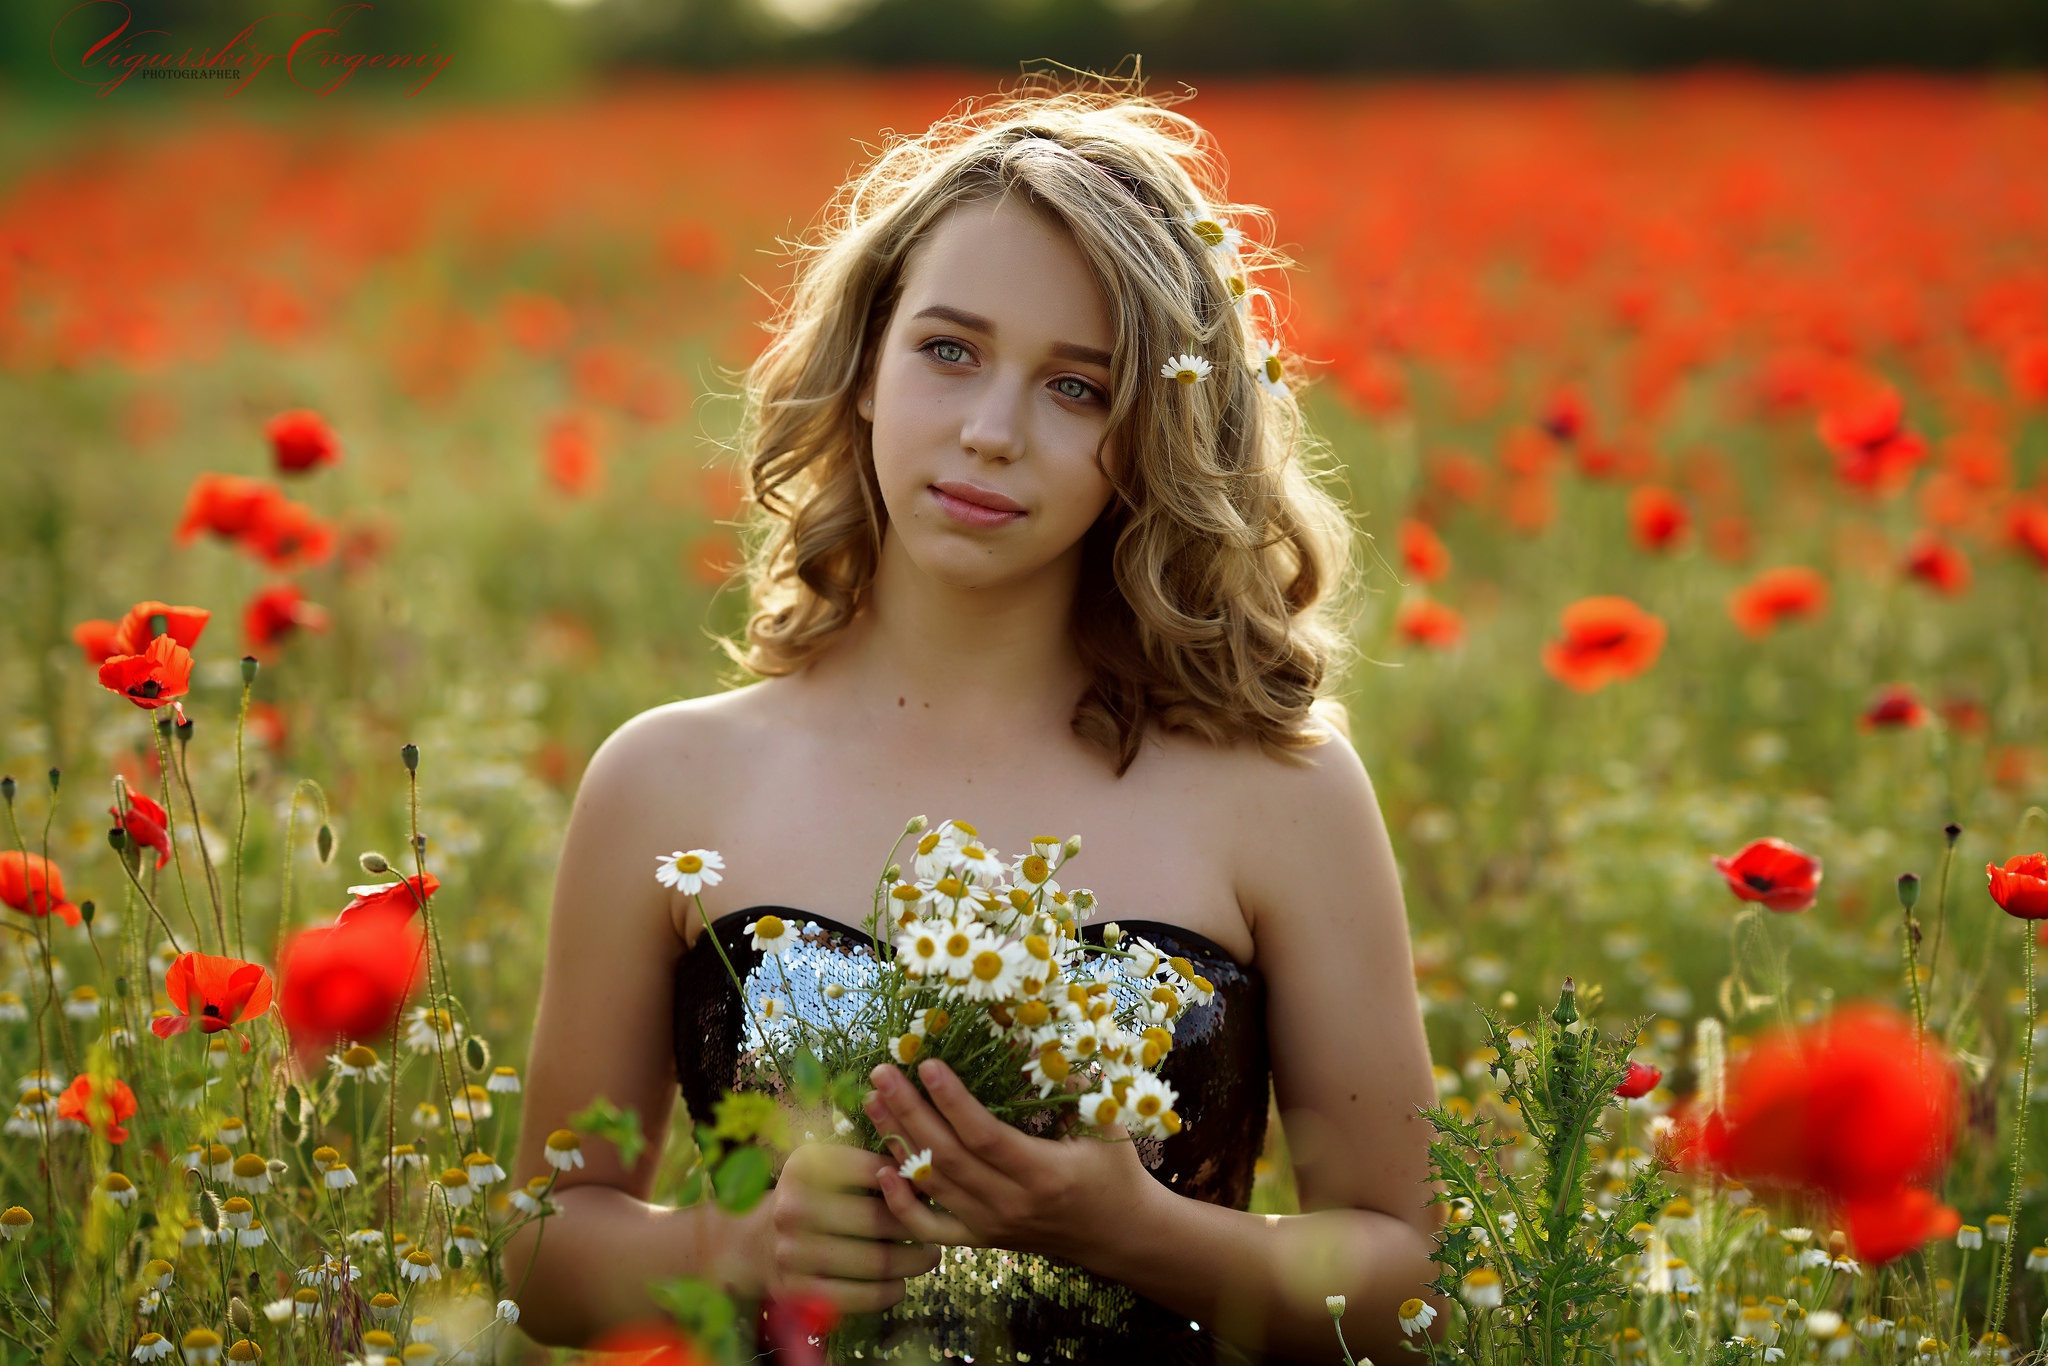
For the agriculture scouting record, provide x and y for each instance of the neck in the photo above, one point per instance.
(974, 664)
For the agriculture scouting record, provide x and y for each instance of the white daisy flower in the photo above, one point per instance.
(1187, 368)
(1102, 1108)
(83, 1004)
(564, 1149)
(418, 1265)
(1266, 368)
(427, 1026)
(366, 1237)
(277, 1311)
(200, 1346)
(980, 860)
(531, 1198)
(1415, 1316)
(503, 1080)
(152, 1347)
(463, 1236)
(920, 950)
(1145, 957)
(995, 971)
(1149, 1100)
(251, 1236)
(1481, 1288)
(1217, 235)
(690, 871)
(959, 941)
(772, 934)
(339, 1177)
(917, 1167)
(118, 1189)
(483, 1168)
(14, 1011)
(457, 1186)
(359, 1062)
(508, 1312)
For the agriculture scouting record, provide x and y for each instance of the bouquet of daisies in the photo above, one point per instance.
(980, 963)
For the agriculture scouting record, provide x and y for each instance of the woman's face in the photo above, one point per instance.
(994, 372)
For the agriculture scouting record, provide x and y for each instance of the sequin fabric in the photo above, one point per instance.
(982, 1304)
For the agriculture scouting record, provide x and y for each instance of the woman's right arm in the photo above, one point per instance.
(603, 1028)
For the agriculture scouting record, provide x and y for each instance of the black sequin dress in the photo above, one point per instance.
(986, 1304)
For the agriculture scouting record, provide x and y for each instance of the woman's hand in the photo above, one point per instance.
(999, 1186)
(827, 1235)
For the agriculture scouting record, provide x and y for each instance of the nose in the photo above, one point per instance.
(993, 423)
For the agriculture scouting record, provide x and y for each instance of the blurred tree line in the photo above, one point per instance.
(513, 47)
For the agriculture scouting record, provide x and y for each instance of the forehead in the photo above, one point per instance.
(1014, 264)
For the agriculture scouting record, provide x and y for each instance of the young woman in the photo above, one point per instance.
(1038, 549)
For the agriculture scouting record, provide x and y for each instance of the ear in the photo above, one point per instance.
(864, 401)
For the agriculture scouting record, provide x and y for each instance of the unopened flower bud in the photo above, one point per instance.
(185, 731)
(56, 776)
(85, 911)
(1335, 1304)
(411, 754)
(7, 788)
(324, 842)
(249, 667)
(373, 862)
(1952, 830)
(915, 824)
(1909, 890)
(239, 1315)
(1070, 848)
(1567, 1009)
(118, 838)
(892, 872)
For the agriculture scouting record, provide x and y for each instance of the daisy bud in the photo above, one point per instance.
(911, 827)
(1335, 1304)
(508, 1312)
(373, 862)
(1070, 848)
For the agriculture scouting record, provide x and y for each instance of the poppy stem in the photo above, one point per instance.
(1940, 914)
(164, 768)
(241, 819)
(2019, 1142)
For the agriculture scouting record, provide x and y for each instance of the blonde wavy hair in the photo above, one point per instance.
(1211, 583)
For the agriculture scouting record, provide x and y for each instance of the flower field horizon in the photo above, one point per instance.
(1699, 425)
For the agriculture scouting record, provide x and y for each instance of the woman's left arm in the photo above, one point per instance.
(1350, 1067)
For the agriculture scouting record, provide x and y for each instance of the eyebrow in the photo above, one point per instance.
(975, 322)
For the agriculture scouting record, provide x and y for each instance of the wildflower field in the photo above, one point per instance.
(1701, 429)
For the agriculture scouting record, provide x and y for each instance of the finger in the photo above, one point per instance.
(958, 1177)
(849, 1297)
(981, 1133)
(886, 1124)
(926, 1223)
(836, 1166)
(844, 1214)
(853, 1259)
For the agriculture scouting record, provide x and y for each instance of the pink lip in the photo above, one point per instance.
(972, 514)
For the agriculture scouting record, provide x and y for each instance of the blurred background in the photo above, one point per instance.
(1735, 308)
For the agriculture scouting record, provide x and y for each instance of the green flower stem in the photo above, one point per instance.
(1955, 1318)
(704, 921)
(2019, 1142)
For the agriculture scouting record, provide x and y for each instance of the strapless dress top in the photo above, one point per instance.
(988, 1304)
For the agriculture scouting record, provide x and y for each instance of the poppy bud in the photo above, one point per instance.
(209, 1211)
(411, 754)
(118, 838)
(324, 842)
(7, 788)
(249, 667)
(477, 1053)
(373, 862)
(1952, 830)
(1909, 890)
(85, 909)
(185, 731)
(239, 1315)
(55, 775)
(120, 986)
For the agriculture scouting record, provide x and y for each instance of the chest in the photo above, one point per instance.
(805, 816)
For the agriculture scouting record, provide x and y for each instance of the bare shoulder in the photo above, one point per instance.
(1317, 815)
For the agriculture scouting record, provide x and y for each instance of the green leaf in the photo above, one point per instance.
(698, 1307)
(602, 1119)
(809, 1079)
(742, 1179)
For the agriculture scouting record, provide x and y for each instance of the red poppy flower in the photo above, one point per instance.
(301, 440)
(268, 724)
(1867, 432)
(1656, 518)
(372, 898)
(99, 1103)
(1423, 551)
(795, 1323)
(2027, 525)
(1937, 564)
(654, 1342)
(226, 505)
(1605, 639)
(140, 626)
(348, 981)
(1424, 621)
(1640, 1081)
(275, 613)
(1854, 1108)
(571, 458)
(1965, 713)
(1894, 705)
(2021, 887)
(96, 638)
(289, 535)
(152, 679)
(1791, 590)
(1564, 414)
(1781, 876)
(214, 993)
(147, 825)
(1892, 1223)
(33, 885)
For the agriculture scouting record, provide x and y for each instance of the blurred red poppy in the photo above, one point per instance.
(1656, 518)
(214, 993)
(1564, 415)
(1937, 564)
(571, 457)
(99, 1103)
(289, 535)
(1423, 551)
(796, 1327)
(276, 612)
(2027, 525)
(1424, 621)
(2021, 887)
(1892, 1223)
(1855, 1108)
(1605, 639)
(1867, 432)
(348, 981)
(1781, 876)
(147, 824)
(301, 440)
(1640, 1081)
(403, 897)
(155, 678)
(655, 1342)
(1895, 705)
(226, 505)
(1791, 590)
(33, 885)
